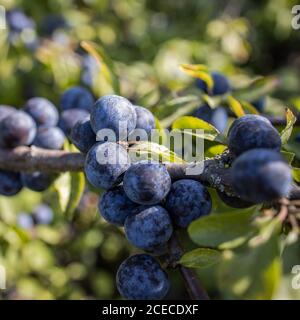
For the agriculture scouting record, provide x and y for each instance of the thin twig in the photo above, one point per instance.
(192, 282)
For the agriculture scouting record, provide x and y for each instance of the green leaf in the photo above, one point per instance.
(199, 71)
(296, 174)
(218, 229)
(177, 108)
(209, 131)
(150, 150)
(107, 65)
(258, 88)
(235, 106)
(287, 131)
(249, 108)
(76, 191)
(215, 150)
(289, 156)
(200, 258)
(253, 273)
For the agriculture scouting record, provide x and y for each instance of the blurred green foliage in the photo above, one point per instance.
(147, 40)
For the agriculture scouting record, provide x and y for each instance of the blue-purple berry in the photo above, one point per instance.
(140, 277)
(147, 183)
(17, 129)
(42, 111)
(105, 165)
(149, 229)
(187, 201)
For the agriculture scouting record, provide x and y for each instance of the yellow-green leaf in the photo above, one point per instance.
(198, 71)
(200, 258)
(76, 191)
(209, 131)
(235, 106)
(287, 131)
(107, 65)
(296, 174)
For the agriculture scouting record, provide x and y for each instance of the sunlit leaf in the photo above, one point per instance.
(200, 258)
(76, 191)
(296, 174)
(209, 132)
(107, 65)
(235, 106)
(214, 230)
(252, 274)
(258, 88)
(198, 71)
(289, 156)
(287, 131)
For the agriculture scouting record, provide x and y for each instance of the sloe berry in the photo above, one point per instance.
(145, 119)
(251, 132)
(82, 135)
(114, 206)
(49, 138)
(17, 21)
(147, 183)
(6, 111)
(37, 181)
(105, 164)
(69, 118)
(187, 201)
(77, 98)
(25, 221)
(261, 175)
(42, 111)
(140, 277)
(149, 229)
(10, 183)
(17, 129)
(218, 117)
(115, 113)
(259, 104)
(221, 84)
(43, 214)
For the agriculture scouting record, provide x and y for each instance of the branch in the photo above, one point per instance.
(192, 283)
(215, 173)
(29, 159)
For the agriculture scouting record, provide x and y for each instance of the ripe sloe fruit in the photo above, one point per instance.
(140, 277)
(25, 221)
(43, 214)
(49, 138)
(261, 175)
(17, 21)
(251, 132)
(17, 129)
(149, 229)
(147, 183)
(145, 119)
(69, 118)
(259, 104)
(221, 84)
(37, 181)
(10, 183)
(217, 117)
(82, 135)
(187, 201)
(115, 113)
(42, 111)
(6, 111)
(77, 98)
(234, 202)
(114, 206)
(105, 164)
